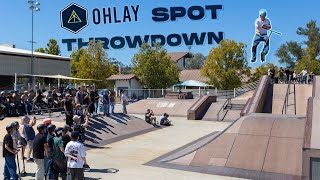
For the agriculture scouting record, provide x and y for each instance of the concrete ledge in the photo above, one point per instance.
(246, 108)
(199, 108)
(258, 98)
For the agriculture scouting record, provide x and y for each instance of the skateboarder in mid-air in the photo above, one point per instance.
(262, 25)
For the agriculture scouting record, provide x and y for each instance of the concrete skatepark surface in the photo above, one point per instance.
(173, 107)
(259, 146)
(129, 155)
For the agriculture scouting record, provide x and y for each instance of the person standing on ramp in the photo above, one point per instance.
(262, 25)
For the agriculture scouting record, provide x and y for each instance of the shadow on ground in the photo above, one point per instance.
(104, 130)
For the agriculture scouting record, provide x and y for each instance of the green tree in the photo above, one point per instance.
(261, 71)
(309, 61)
(125, 69)
(75, 56)
(92, 63)
(154, 67)
(312, 32)
(196, 61)
(289, 53)
(304, 55)
(40, 50)
(52, 48)
(226, 64)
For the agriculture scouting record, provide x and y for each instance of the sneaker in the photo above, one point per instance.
(86, 167)
(253, 60)
(30, 160)
(263, 57)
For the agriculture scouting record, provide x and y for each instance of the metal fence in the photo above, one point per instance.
(160, 93)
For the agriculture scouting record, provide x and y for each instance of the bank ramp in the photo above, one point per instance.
(263, 144)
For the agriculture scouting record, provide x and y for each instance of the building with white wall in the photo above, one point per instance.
(125, 82)
(18, 61)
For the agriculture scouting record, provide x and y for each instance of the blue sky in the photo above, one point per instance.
(236, 20)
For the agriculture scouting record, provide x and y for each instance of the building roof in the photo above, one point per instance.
(175, 56)
(192, 74)
(121, 77)
(20, 52)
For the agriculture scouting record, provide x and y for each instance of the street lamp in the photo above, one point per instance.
(34, 6)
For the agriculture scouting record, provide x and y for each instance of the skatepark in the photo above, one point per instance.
(270, 133)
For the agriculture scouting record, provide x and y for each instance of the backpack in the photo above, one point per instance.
(30, 134)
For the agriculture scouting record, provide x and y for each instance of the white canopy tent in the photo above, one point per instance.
(192, 83)
(50, 76)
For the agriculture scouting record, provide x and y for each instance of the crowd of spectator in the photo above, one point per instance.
(57, 151)
(290, 76)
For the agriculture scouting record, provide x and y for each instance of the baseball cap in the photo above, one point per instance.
(47, 121)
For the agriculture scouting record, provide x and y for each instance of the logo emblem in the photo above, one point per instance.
(74, 18)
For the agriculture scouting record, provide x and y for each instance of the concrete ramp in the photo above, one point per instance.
(173, 107)
(303, 92)
(258, 146)
(230, 114)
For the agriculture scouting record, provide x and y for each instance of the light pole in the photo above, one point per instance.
(34, 6)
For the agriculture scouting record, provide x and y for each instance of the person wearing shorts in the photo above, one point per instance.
(27, 133)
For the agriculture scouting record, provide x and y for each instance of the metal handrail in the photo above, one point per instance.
(228, 101)
(245, 88)
(286, 101)
(284, 107)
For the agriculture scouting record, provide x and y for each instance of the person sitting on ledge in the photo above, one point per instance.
(164, 120)
(149, 117)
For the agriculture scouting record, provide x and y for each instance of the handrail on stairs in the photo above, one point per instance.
(286, 101)
(228, 101)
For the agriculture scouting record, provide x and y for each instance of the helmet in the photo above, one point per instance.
(15, 124)
(263, 12)
(59, 131)
(41, 127)
(51, 127)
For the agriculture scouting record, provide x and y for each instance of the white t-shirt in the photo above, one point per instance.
(76, 149)
(124, 98)
(304, 72)
(259, 23)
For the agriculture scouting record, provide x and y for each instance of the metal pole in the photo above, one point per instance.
(15, 81)
(32, 63)
(295, 105)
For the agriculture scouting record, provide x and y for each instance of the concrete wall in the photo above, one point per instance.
(200, 108)
(10, 64)
(312, 130)
(258, 99)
